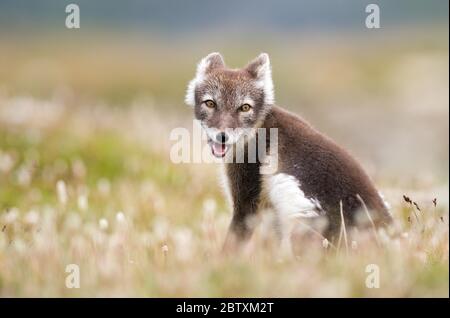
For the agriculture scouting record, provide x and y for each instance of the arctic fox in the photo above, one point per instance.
(314, 176)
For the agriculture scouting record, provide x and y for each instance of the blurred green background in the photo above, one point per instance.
(381, 92)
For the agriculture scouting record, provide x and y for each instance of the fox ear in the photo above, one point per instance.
(261, 71)
(207, 64)
(259, 66)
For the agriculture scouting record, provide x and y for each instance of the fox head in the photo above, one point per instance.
(230, 103)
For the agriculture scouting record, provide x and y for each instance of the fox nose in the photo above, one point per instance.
(222, 137)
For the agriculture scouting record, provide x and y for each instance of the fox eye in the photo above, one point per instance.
(209, 103)
(245, 108)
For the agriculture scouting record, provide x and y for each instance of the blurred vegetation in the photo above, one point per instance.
(118, 68)
(391, 86)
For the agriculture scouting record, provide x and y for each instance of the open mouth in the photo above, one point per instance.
(218, 149)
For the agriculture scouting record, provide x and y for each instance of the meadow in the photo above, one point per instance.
(86, 178)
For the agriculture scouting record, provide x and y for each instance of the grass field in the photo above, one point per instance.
(86, 179)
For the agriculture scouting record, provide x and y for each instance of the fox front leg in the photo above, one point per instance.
(245, 191)
(241, 227)
(238, 233)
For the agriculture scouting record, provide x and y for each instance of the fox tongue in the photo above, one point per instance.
(218, 149)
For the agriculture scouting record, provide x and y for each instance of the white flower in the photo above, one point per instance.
(325, 243)
(354, 245)
(209, 206)
(183, 243)
(32, 217)
(82, 202)
(103, 223)
(120, 217)
(61, 191)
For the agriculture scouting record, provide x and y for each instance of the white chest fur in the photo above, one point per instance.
(280, 191)
(284, 193)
